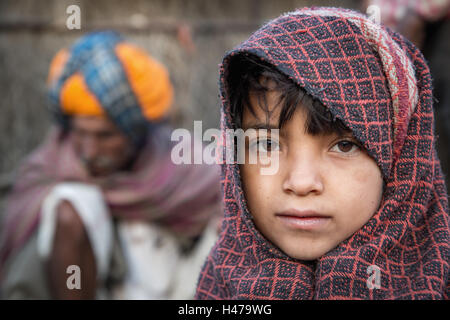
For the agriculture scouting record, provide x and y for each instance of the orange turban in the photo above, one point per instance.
(104, 75)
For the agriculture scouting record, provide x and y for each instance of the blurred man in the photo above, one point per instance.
(101, 172)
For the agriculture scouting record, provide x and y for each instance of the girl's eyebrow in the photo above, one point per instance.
(346, 134)
(260, 125)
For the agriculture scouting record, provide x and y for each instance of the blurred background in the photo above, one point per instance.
(189, 37)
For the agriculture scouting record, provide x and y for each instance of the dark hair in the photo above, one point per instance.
(245, 74)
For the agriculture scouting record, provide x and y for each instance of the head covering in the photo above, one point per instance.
(379, 85)
(102, 74)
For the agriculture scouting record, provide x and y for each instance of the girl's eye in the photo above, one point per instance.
(269, 145)
(265, 145)
(345, 146)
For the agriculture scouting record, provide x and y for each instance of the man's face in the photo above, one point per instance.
(326, 187)
(102, 147)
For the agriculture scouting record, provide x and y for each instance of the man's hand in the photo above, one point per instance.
(71, 246)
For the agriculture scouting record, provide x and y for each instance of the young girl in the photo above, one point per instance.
(358, 207)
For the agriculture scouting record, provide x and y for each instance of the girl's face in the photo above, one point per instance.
(326, 187)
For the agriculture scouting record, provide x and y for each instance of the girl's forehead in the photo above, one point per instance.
(266, 109)
(293, 128)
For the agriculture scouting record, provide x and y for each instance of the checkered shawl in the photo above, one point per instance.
(379, 85)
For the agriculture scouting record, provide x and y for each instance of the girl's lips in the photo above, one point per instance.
(304, 220)
(304, 223)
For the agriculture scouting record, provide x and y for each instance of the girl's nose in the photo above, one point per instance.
(303, 175)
